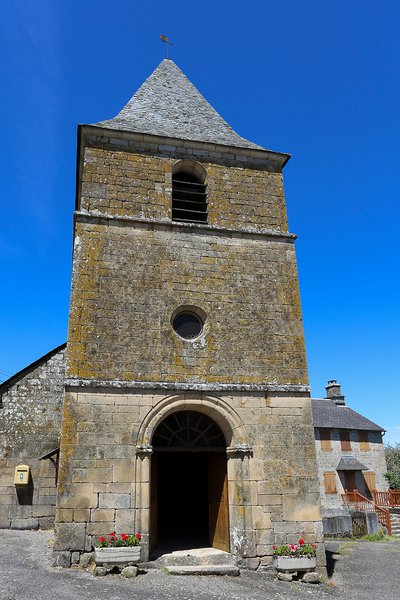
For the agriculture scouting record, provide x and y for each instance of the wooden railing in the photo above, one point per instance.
(390, 498)
(360, 502)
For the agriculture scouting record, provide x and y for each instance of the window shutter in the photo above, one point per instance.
(325, 437)
(370, 480)
(345, 440)
(330, 482)
(364, 440)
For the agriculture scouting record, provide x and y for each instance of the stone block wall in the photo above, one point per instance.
(128, 181)
(105, 478)
(30, 423)
(133, 267)
(129, 280)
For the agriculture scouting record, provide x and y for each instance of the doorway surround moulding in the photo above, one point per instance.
(213, 406)
(237, 451)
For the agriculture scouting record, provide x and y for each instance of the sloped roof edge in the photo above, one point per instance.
(29, 368)
(328, 415)
(349, 463)
(168, 104)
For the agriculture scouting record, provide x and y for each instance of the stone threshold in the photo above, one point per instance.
(203, 570)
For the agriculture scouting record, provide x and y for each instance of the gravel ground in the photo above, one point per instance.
(363, 571)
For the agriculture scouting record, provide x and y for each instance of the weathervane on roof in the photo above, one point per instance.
(166, 41)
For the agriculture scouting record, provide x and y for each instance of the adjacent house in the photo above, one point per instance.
(350, 451)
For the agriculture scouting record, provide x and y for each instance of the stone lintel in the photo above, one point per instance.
(75, 382)
(95, 216)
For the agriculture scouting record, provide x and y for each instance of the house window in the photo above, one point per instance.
(330, 482)
(363, 438)
(345, 440)
(189, 198)
(325, 437)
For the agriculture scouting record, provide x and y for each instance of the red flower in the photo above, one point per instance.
(124, 536)
(102, 539)
(301, 541)
(138, 536)
(273, 547)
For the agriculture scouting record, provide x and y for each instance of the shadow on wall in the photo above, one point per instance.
(25, 493)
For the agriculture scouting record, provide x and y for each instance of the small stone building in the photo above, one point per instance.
(30, 422)
(350, 452)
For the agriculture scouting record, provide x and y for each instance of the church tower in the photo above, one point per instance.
(186, 415)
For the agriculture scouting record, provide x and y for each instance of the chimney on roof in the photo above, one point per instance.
(334, 392)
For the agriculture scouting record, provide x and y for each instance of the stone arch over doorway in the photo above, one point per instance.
(228, 467)
(220, 411)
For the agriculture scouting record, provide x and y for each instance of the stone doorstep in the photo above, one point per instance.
(209, 557)
(203, 570)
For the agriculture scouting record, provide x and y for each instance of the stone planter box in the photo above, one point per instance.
(116, 556)
(290, 564)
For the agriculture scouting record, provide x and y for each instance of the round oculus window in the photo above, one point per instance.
(187, 325)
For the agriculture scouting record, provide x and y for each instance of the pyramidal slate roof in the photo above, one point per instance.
(169, 105)
(327, 414)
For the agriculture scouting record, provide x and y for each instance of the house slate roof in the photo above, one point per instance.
(349, 463)
(328, 415)
(169, 105)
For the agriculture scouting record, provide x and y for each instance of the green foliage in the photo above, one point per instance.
(380, 537)
(392, 454)
(374, 537)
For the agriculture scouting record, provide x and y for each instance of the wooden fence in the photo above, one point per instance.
(360, 502)
(390, 498)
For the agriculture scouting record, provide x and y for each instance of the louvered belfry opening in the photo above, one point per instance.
(189, 198)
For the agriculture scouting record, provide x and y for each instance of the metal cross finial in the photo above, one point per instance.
(166, 41)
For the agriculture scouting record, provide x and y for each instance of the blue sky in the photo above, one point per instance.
(318, 79)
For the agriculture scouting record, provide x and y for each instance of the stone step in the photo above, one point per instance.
(203, 570)
(193, 558)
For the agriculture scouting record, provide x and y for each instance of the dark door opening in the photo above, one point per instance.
(189, 488)
(182, 500)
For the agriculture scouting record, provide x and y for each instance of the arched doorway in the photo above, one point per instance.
(189, 492)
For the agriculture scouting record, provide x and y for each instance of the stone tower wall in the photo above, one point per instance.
(130, 275)
(127, 369)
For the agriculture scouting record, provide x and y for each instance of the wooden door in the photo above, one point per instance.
(350, 480)
(153, 503)
(218, 501)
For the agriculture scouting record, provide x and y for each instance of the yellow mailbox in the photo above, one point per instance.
(21, 476)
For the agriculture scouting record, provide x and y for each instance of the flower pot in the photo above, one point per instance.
(295, 563)
(116, 556)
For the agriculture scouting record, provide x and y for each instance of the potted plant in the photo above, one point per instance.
(295, 557)
(117, 549)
